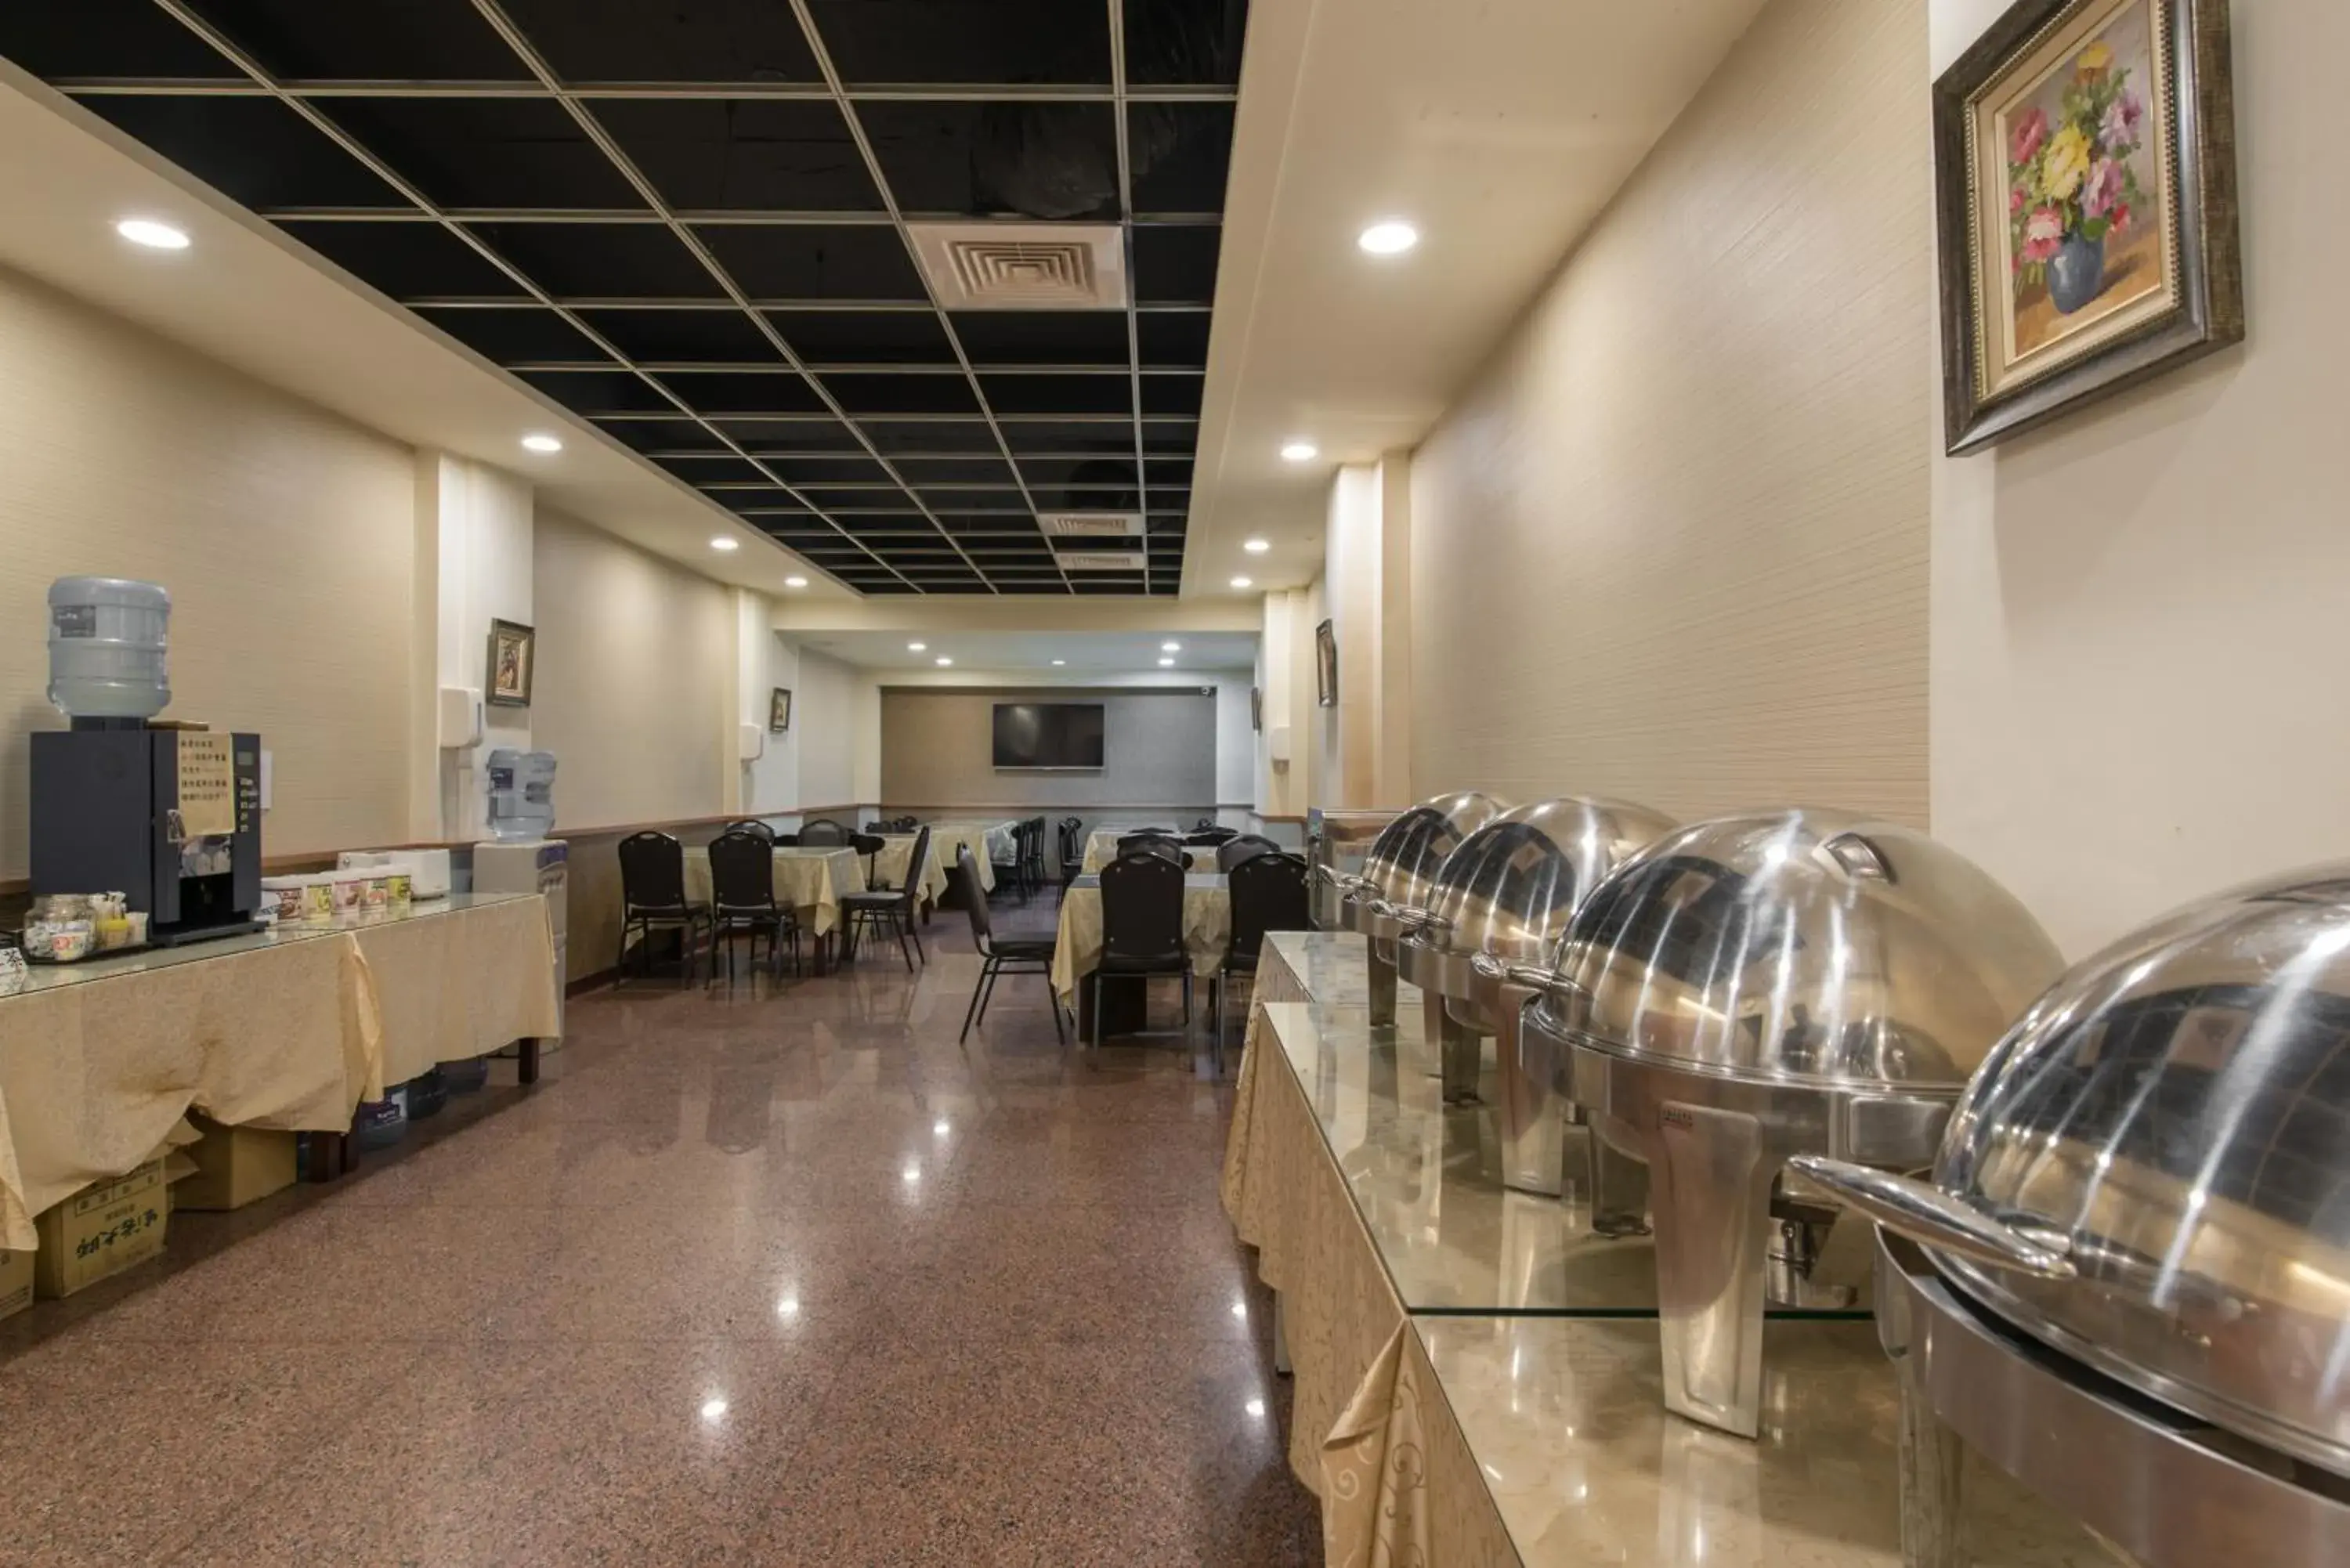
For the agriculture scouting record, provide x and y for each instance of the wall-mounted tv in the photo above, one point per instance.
(1049, 734)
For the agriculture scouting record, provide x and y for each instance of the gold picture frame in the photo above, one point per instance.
(513, 664)
(2086, 183)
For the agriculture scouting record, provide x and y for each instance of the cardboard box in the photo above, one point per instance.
(234, 1167)
(102, 1230)
(16, 1282)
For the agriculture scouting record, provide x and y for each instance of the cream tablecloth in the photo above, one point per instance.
(987, 841)
(1101, 848)
(811, 882)
(890, 865)
(287, 1031)
(1207, 929)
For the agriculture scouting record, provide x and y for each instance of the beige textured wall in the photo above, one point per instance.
(2138, 610)
(285, 534)
(1672, 545)
(635, 679)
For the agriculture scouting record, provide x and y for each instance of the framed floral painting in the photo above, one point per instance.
(2086, 180)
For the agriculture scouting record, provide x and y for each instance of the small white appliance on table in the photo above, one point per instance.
(541, 866)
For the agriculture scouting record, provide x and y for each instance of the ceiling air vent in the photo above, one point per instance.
(1091, 525)
(1024, 266)
(1100, 560)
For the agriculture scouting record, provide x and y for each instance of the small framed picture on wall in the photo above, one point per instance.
(779, 711)
(1325, 665)
(513, 654)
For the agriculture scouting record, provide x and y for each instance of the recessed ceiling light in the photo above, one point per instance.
(794, 582)
(541, 443)
(724, 543)
(917, 648)
(1244, 582)
(1388, 237)
(942, 661)
(1299, 450)
(1060, 661)
(1170, 648)
(1256, 546)
(155, 237)
(1166, 664)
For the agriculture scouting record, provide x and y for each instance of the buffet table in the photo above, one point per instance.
(282, 1028)
(1477, 1378)
(809, 881)
(889, 867)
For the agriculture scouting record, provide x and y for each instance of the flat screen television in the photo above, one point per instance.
(1049, 734)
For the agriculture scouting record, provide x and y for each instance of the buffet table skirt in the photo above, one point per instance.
(1287, 1199)
(289, 1034)
(811, 882)
(1399, 1476)
(1207, 929)
(459, 986)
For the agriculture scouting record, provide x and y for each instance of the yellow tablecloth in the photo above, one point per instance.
(890, 865)
(1287, 1199)
(1207, 929)
(987, 841)
(457, 986)
(1101, 848)
(286, 1031)
(811, 882)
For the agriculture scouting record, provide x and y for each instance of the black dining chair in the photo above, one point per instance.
(1073, 849)
(742, 900)
(653, 898)
(1142, 926)
(1009, 873)
(890, 910)
(822, 832)
(751, 825)
(1211, 835)
(1039, 871)
(1000, 956)
(1268, 894)
(1247, 847)
(1162, 844)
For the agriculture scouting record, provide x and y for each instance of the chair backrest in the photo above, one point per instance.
(787, 840)
(1142, 906)
(1166, 843)
(652, 872)
(1204, 824)
(751, 825)
(1268, 895)
(867, 843)
(1071, 824)
(974, 898)
(912, 890)
(1247, 847)
(1208, 837)
(823, 831)
(742, 870)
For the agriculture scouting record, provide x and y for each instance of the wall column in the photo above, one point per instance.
(477, 523)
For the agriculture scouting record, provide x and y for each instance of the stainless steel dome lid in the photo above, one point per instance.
(1409, 852)
(1514, 884)
(1799, 947)
(2151, 1172)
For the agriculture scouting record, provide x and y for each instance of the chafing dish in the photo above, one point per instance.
(1337, 842)
(1766, 985)
(2150, 1178)
(1399, 872)
(1500, 903)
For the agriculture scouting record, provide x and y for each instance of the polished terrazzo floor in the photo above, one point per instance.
(779, 1275)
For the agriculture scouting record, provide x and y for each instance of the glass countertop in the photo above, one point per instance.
(43, 977)
(1425, 1176)
(1565, 1419)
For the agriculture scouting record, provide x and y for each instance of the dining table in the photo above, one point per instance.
(889, 868)
(809, 881)
(1101, 848)
(1076, 950)
(991, 843)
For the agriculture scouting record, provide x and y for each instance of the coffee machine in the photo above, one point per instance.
(169, 817)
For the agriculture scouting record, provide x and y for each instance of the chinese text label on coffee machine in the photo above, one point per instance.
(171, 817)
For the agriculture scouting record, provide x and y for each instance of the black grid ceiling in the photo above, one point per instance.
(683, 219)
